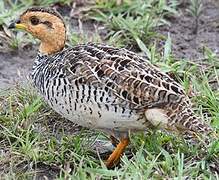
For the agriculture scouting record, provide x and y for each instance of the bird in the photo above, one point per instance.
(102, 87)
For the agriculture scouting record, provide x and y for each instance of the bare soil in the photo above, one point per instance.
(186, 43)
(15, 65)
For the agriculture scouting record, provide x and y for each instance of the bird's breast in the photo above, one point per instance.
(91, 106)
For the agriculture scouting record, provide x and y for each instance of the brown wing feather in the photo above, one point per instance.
(123, 73)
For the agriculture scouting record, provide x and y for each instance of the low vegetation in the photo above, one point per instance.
(37, 142)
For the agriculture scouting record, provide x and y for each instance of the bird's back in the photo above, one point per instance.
(101, 86)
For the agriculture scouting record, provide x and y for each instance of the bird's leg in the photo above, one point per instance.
(115, 156)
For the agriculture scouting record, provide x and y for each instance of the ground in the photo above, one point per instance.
(37, 141)
(16, 64)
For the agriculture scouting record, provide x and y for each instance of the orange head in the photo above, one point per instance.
(45, 24)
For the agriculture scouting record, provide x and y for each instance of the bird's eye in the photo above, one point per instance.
(34, 20)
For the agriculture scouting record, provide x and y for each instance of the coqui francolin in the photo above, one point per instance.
(103, 87)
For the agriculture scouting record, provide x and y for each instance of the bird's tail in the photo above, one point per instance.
(199, 133)
(194, 129)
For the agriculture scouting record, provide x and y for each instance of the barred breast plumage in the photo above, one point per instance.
(104, 87)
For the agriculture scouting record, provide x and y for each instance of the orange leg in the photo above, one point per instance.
(115, 156)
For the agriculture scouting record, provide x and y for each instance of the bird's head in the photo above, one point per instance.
(46, 25)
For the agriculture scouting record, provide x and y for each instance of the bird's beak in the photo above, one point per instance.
(17, 25)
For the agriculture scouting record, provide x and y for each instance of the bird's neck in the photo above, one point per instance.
(54, 41)
(51, 47)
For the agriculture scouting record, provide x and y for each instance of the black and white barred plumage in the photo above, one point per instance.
(104, 87)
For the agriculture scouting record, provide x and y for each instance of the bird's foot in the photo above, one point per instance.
(115, 156)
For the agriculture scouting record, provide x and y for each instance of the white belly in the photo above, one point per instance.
(95, 113)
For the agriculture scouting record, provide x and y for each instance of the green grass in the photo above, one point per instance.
(11, 9)
(195, 10)
(133, 22)
(34, 140)
(29, 138)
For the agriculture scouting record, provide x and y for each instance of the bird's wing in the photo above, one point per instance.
(123, 73)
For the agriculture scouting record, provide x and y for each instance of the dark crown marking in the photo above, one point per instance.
(43, 9)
